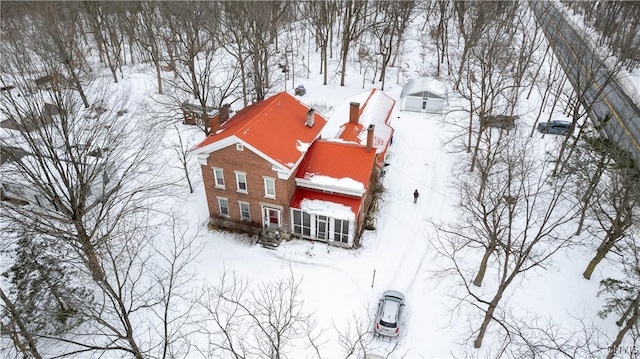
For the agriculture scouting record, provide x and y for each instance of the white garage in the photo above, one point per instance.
(424, 95)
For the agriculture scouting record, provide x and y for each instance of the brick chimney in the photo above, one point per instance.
(311, 118)
(370, 137)
(218, 119)
(214, 123)
(354, 112)
(224, 113)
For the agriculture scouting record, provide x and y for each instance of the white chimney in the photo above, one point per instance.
(311, 118)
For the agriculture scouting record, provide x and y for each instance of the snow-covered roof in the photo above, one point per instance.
(326, 208)
(326, 204)
(425, 84)
(197, 108)
(375, 109)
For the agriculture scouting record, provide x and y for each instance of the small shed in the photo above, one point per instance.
(424, 95)
(193, 113)
(53, 81)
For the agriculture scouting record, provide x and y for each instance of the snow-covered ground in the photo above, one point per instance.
(338, 284)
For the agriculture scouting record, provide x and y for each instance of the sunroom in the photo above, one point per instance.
(325, 217)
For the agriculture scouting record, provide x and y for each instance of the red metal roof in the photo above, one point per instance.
(275, 127)
(376, 110)
(338, 160)
(301, 194)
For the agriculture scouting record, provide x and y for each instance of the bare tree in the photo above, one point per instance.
(520, 218)
(56, 39)
(439, 32)
(271, 314)
(85, 182)
(487, 85)
(149, 36)
(253, 32)
(102, 18)
(181, 148)
(353, 26)
(623, 298)
(202, 72)
(171, 274)
(389, 30)
(614, 203)
(473, 20)
(320, 17)
(617, 25)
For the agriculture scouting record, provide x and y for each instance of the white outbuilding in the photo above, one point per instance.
(424, 95)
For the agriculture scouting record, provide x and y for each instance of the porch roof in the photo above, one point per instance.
(326, 204)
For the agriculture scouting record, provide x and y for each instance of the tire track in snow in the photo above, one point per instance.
(416, 249)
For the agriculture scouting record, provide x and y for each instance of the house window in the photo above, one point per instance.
(239, 147)
(223, 205)
(241, 181)
(341, 230)
(301, 223)
(269, 187)
(218, 176)
(244, 211)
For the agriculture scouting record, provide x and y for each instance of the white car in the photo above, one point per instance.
(388, 316)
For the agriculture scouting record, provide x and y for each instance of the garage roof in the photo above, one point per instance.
(416, 87)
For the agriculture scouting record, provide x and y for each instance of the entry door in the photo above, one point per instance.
(424, 105)
(271, 217)
(322, 228)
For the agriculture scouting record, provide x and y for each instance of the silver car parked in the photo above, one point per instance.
(388, 316)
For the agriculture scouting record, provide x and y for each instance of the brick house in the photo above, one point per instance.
(268, 167)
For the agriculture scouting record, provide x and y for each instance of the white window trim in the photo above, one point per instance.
(333, 230)
(311, 227)
(215, 178)
(220, 206)
(266, 193)
(238, 174)
(240, 203)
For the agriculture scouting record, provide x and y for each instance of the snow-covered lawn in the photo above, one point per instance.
(340, 284)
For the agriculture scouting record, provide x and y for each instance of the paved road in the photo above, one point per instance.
(590, 78)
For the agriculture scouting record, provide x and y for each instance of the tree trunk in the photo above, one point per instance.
(461, 67)
(158, 75)
(613, 349)
(476, 148)
(535, 76)
(90, 256)
(589, 192)
(76, 82)
(15, 318)
(477, 281)
(345, 53)
(324, 56)
(488, 316)
(602, 251)
(634, 305)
